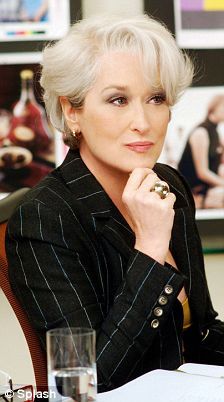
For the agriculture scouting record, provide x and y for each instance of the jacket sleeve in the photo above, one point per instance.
(54, 273)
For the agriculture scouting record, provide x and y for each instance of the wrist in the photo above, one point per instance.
(155, 252)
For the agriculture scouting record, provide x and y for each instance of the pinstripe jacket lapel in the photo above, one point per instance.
(95, 204)
(104, 217)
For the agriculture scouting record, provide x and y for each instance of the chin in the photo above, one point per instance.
(146, 162)
(149, 164)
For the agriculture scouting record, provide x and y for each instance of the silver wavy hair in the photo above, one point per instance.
(70, 66)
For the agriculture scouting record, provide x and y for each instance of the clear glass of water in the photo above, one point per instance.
(71, 360)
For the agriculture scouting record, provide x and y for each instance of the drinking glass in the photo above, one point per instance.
(71, 362)
(6, 389)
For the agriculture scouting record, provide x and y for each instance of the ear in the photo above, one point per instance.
(69, 113)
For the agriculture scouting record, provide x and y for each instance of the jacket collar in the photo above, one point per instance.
(85, 187)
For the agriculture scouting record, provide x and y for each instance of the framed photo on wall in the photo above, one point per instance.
(199, 23)
(195, 138)
(209, 62)
(26, 26)
(33, 20)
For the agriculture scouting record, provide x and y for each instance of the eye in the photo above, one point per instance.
(158, 99)
(119, 101)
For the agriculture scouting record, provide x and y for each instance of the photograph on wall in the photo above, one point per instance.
(33, 19)
(195, 146)
(199, 23)
(27, 140)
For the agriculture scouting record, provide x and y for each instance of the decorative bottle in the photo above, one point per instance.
(29, 126)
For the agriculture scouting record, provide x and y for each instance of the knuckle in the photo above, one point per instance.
(138, 197)
(126, 196)
(138, 170)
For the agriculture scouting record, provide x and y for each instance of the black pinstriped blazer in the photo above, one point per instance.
(72, 263)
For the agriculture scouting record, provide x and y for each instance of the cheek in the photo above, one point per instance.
(163, 128)
(102, 124)
(160, 120)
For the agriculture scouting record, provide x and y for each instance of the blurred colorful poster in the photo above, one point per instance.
(29, 146)
(199, 23)
(29, 20)
(27, 141)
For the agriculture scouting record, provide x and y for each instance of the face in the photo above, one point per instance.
(123, 122)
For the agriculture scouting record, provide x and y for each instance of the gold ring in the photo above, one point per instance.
(161, 188)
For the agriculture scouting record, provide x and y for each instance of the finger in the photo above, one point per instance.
(161, 187)
(137, 177)
(170, 199)
(150, 182)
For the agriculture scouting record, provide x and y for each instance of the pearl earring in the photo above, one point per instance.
(76, 135)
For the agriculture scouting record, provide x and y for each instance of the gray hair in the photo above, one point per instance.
(70, 65)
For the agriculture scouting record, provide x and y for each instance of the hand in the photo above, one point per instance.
(151, 217)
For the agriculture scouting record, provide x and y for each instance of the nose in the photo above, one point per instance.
(140, 119)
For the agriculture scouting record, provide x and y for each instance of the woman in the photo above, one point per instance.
(201, 161)
(101, 242)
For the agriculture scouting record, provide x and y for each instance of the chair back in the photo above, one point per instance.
(38, 357)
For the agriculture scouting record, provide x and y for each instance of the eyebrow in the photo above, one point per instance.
(117, 87)
(124, 88)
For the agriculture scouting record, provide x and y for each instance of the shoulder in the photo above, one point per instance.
(45, 196)
(50, 191)
(200, 131)
(199, 136)
(62, 199)
(54, 189)
(50, 201)
(49, 212)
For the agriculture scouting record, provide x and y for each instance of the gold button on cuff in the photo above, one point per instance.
(163, 300)
(168, 289)
(158, 311)
(155, 324)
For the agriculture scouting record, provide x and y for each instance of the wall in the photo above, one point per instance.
(214, 265)
(128, 7)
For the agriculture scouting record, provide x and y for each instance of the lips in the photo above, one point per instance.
(140, 146)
